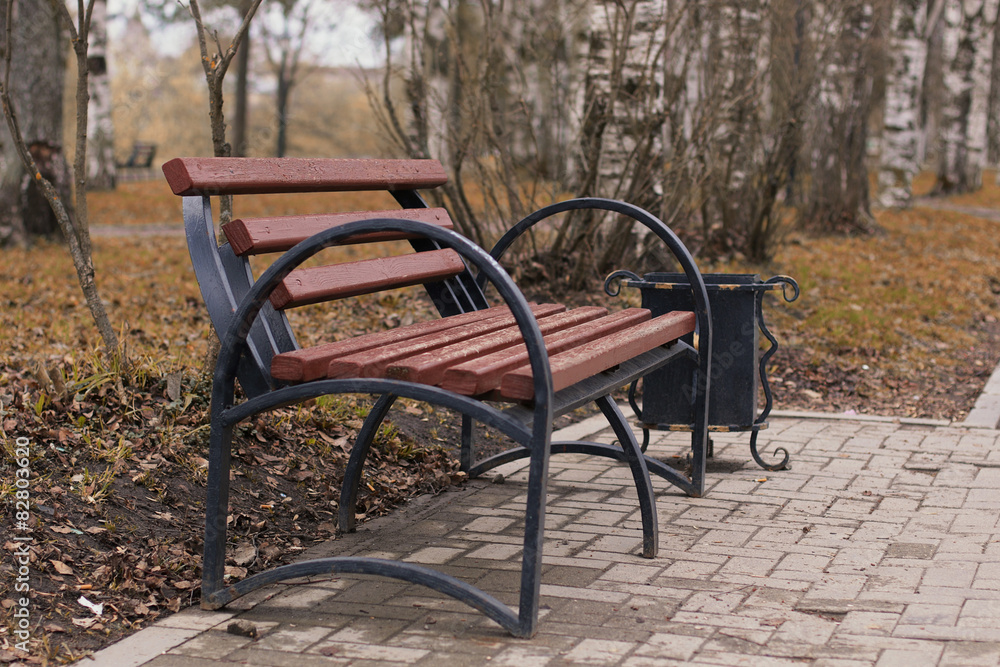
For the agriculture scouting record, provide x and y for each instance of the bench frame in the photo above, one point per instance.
(251, 332)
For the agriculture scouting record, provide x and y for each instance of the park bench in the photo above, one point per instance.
(506, 363)
(141, 156)
(139, 163)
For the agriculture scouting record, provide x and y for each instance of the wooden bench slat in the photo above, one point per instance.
(481, 375)
(338, 281)
(211, 176)
(600, 355)
(374, 363)
(429, 367)
(255, 236)
(307, 364)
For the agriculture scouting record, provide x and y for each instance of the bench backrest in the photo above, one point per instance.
(224, 272)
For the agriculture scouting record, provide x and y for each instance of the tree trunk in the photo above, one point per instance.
(39, 156)
(37, 79)
(900, 159)
(239, 144)
(622, 130)
(738, 62)
(981, 71)
(963, 116)
(100, 128)
(838, 197)
(281, 102)
(932, 86)
(993, 104)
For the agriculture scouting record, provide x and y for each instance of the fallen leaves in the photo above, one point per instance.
(118, 487)
(245, 554)
(902, 325)
(61, 567)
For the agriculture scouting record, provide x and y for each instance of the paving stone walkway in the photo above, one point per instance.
(880, 547)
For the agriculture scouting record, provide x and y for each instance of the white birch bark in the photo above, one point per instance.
(963, 131)
(100, 127)
(900, 157)
(979, 113)
(624, 100)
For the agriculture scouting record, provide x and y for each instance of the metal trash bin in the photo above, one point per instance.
(738, 368)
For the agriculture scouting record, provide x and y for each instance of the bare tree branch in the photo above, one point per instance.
(215, 66)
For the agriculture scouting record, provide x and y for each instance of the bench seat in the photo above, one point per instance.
(463, 356)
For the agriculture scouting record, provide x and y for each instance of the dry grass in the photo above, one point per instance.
(923, 287)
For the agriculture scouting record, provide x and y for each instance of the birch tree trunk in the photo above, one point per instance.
(900, 158)
(932, 87)
(624, 113)
(738, 55)
(981, 75)
(100, 127)
(621, 147)
(963, 131)
(696, 109)
(685, 92)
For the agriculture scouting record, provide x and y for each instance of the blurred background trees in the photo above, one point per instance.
(733, 120)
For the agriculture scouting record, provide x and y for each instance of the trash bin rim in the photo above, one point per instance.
(714, 282)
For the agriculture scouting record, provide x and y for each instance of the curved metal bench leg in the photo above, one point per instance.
(638, 413)
(640, 475)
(409, 572)
(467, 454)
(352, 474)
(216, 514)
(534, 529)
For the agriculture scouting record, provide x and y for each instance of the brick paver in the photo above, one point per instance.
(879, 547)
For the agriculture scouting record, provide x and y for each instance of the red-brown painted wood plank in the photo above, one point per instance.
(599, 355)
(211, 176)
(375, 362)
(255, 236)
(338, 281)
(481, 375)
(429, 367)
(311, 363)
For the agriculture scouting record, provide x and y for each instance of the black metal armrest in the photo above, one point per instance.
(703, 329)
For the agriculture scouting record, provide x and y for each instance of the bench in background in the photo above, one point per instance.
(139, 164)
